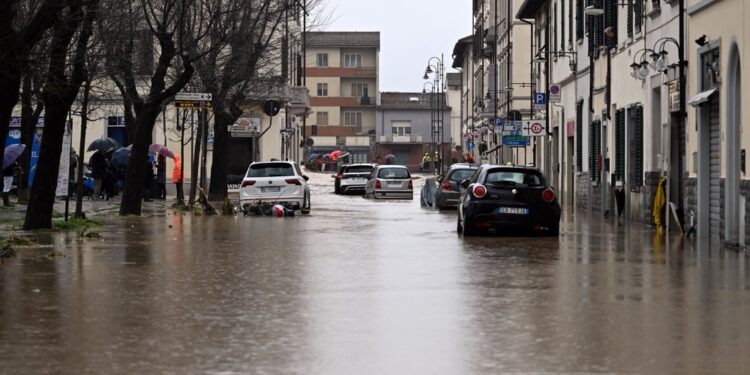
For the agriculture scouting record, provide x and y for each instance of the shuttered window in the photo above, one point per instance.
(579, 19)
(595, 29)
(620, 145)
(636, 147)
(595, 150)
(630, 19)
(638, 14)
(570, 23)
(579, 136)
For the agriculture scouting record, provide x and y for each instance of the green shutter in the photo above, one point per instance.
(638, 10)
(620, 145)
(595, 149)
(636, 148)
(579, 136)
(579, 19)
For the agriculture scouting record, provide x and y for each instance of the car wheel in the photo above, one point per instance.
(467, 230)
(306, 203)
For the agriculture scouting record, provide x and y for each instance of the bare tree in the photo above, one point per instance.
(176, 28)
(22, 25)
(65, 75)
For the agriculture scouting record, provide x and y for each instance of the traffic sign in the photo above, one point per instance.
(555, 93)
(194, 96)
(540, 98)
(516, 141)
(499, 122)
(192, 104)
(535, 128)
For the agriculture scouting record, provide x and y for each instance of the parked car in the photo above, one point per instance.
(352, 178)
(390, 181)
(508, 199)
(449, 187)
(275, 182)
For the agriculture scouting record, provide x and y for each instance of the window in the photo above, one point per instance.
(459, 175)
(322, 60)
(359, 89)
(638, 14)
(401, 128)
(353, 118)
(322, 118)
(394, 173)
(506, 177)
(270, 170)
(579, 19)
(353, 60)
(322, 89)
(610, 20)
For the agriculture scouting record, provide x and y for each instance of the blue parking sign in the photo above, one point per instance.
(540, 98)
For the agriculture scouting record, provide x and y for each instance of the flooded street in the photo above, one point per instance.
(362, 287)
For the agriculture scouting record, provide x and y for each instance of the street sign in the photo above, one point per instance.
(498, 122)
(555, 93)
(535, 128)
(540, 98)
(191, 104)
(193, 96)
(271, 107)
(516, 141)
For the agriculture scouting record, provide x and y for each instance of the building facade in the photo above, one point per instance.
(406, 128)
(342, 70)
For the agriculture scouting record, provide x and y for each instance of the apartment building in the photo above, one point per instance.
(342, 70)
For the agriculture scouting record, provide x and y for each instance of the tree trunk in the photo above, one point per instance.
(195, 163)
(82, 146)
(132, 194)
(220, 163)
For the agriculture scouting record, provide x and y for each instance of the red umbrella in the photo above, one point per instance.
(335, 155)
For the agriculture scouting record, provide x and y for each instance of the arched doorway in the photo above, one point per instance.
(732, 187)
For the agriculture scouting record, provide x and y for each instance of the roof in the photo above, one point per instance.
(458, 51)
(343, 39)
(529, 9)
(453, 79)
(408, 100)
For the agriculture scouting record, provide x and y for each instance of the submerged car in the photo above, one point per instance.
(510, 200)
(390, 182)
(275, 182)
(449, 188)
(352, 178)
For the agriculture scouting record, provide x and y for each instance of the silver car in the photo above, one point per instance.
(449, 188)
(390, 182)
(352, 178)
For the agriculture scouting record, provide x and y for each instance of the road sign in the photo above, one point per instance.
(191, 104)
(535, 128)
(516, 141)
(555, 93)
(540, 98)
(499, 122)
(193, 96)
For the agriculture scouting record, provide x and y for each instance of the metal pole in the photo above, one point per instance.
(204, 126)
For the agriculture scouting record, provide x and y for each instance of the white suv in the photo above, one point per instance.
(275, 182)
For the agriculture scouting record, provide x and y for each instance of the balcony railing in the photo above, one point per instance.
(365, 100)
(412, 138)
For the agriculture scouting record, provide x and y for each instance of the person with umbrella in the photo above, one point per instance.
(161, 176)
(98, 165)
(9, 173)
(177, 177)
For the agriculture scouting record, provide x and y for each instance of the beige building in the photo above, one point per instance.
(342, 70)
(717, 187)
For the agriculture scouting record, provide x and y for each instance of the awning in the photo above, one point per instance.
(701, 98)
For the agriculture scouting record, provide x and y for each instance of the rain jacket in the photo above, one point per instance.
(177, 170)
(659, 202)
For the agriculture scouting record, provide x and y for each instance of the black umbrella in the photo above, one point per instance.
(103, 145)
(390, 158)
(120, 157)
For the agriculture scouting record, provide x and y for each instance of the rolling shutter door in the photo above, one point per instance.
(620, 145)
(714, 167)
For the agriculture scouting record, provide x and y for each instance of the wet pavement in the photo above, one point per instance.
(362, 287)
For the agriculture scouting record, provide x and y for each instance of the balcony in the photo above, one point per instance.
(412, 138)
(365, 101)
(299, 98)
(342, 72)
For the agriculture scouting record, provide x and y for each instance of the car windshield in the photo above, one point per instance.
(514, 178)
(359, 169)
(461, 174)
(396, 173)
(270, 170)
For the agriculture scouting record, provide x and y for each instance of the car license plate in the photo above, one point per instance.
(272, 189)
(513, 210)
(394, 184)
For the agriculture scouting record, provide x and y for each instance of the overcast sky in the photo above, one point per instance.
(411, 31)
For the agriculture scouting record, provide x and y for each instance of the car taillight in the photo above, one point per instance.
(411, 185)
(446, 185)
(248, 183)
(479, 191)
(377, 184)
(293, 181)
(339, 176)
(548, 196)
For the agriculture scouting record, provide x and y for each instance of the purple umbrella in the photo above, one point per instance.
(161, 150)
(12, 153)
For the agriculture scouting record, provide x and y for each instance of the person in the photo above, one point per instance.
(426, 162)
(469, 159)
(456, 155)
(161, 177)
(8, 173)
(98, 165)
(177, 177)
(148, 180)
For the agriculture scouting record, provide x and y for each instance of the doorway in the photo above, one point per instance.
(734, 101)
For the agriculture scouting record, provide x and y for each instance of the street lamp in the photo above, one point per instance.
(438, 133)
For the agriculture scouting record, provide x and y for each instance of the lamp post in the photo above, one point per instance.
(438, 82)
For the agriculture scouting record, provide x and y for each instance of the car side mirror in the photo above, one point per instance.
(465, 184)
(308, 178)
